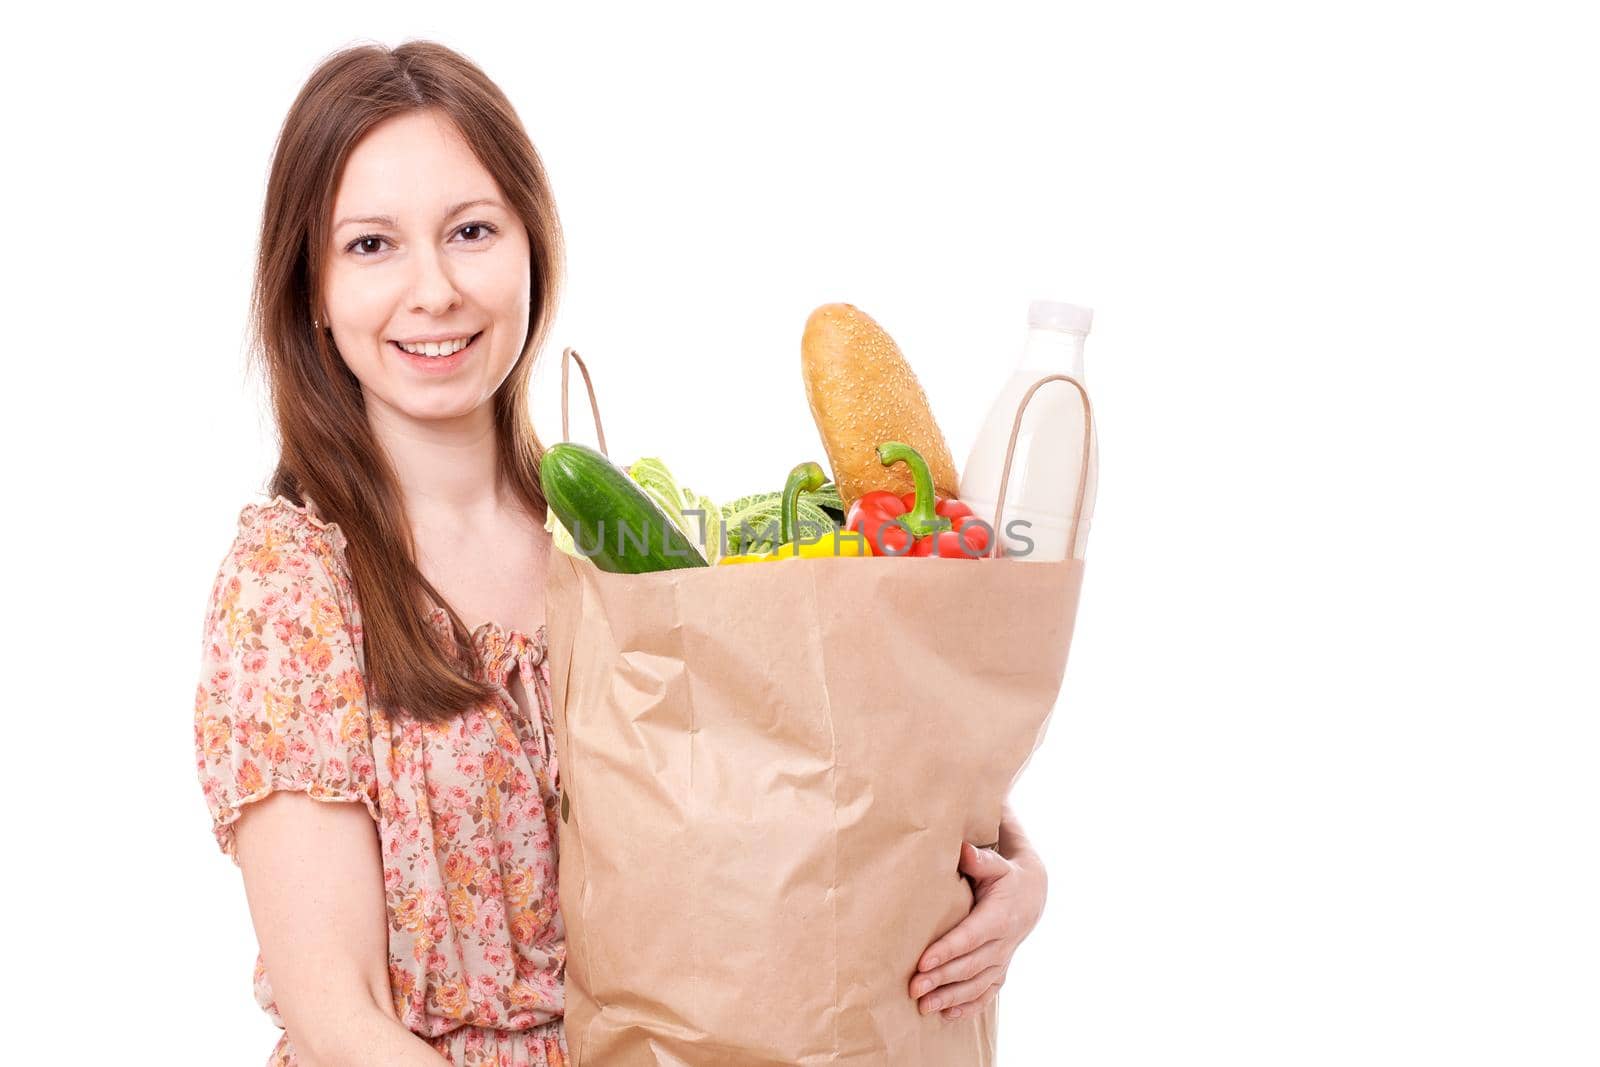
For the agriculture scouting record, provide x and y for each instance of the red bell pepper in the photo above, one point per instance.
(918, 523)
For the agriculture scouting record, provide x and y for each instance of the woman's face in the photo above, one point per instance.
(424, 246)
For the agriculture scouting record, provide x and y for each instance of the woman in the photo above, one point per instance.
(375, 638)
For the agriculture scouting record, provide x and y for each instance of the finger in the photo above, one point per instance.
(968, 937)
(982, 863)
(957, 970)
(977, 1005)
(983, 924)
(961, 993)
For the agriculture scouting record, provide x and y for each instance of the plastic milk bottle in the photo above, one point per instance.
(1049, 460)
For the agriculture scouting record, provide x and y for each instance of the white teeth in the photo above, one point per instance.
(437, 348)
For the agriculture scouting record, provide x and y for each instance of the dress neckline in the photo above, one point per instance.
(507, 635)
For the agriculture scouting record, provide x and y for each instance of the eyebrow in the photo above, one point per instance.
(388, 220)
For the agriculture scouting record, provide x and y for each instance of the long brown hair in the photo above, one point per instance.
(327, 448)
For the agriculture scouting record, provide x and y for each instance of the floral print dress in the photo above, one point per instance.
(466, 810)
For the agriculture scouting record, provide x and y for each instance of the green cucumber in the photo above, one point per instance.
(613, 522)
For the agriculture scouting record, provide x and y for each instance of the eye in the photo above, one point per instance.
(488, 229)
(364, 239)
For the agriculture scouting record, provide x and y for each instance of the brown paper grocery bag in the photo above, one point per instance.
(767, 775)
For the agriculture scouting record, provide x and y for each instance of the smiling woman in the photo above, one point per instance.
(383, 774)
(406, 194)
(410, 269)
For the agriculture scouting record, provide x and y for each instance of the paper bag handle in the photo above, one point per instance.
(1011, 448)
(567, 355)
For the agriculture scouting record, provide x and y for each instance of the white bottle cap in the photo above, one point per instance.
(1054, 315)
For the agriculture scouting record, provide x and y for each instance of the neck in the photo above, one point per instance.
(446, 467)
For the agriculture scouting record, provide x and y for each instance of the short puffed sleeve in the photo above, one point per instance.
(281, 702)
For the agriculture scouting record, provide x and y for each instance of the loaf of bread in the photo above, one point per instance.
(862, 393)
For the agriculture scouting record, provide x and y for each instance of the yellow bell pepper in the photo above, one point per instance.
(807, 477)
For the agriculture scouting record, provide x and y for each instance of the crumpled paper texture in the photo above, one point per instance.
(768, 771)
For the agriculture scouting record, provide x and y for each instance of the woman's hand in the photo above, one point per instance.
(963, 970)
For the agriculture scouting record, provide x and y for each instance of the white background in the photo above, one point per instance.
(1321, 786)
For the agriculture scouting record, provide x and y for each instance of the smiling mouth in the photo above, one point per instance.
(473, 339)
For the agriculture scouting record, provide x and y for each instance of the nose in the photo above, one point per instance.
(433, 292)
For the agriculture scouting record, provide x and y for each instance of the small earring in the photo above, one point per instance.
(316, 325)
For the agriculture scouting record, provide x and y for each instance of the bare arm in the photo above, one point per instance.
(313, 874)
